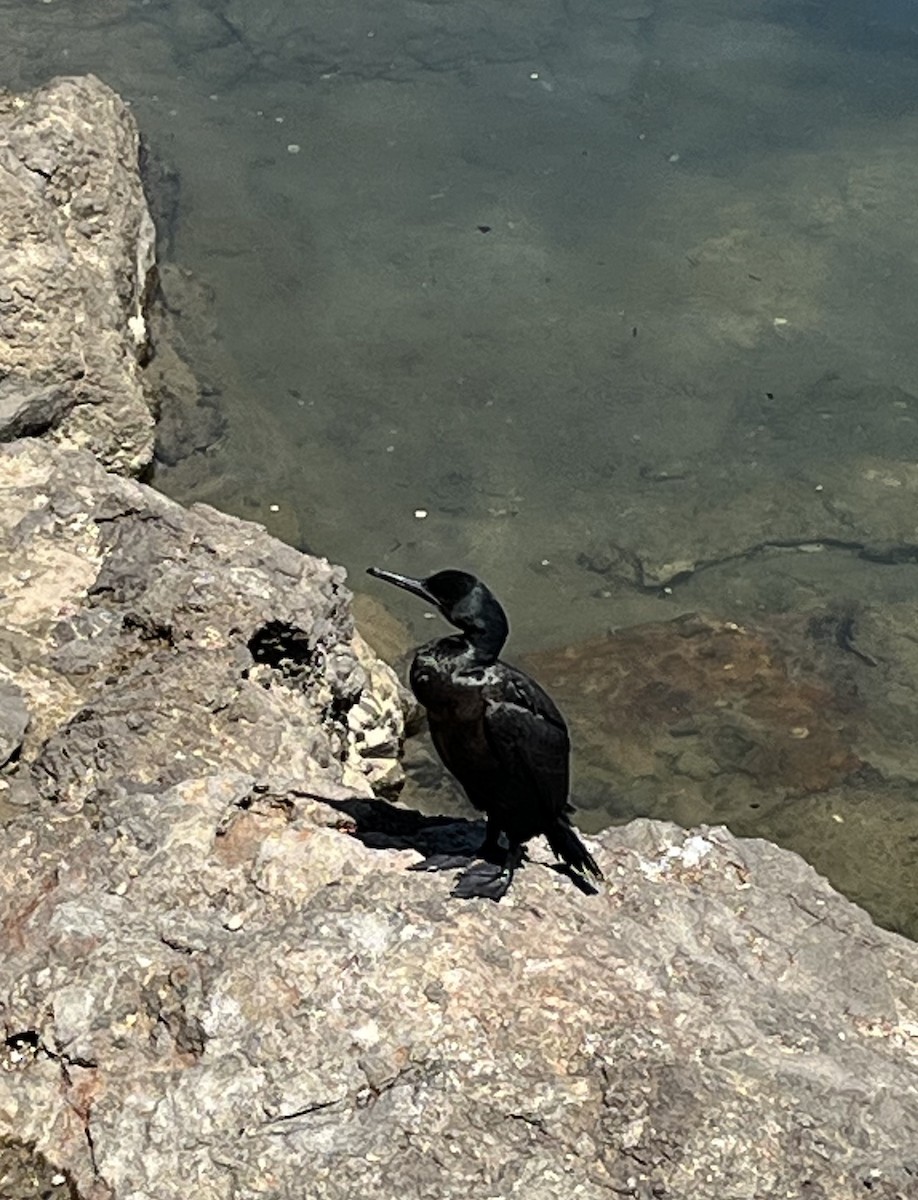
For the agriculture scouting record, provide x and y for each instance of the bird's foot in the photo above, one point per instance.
(487, 880)
(490, 850)
(442, 862)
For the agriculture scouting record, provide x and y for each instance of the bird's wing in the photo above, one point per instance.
(527, 735)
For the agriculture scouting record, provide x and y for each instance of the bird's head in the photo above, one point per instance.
(463, 600)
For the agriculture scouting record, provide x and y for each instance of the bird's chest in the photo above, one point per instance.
(447, 694)
(456, 717)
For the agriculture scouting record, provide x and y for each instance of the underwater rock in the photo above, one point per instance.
(646, 698)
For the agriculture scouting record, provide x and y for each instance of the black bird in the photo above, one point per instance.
(496, 730)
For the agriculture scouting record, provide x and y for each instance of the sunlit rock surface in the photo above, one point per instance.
(217, 991)
(151, 644)
(76, 256)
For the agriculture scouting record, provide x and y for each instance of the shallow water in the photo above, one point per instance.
(558, 275)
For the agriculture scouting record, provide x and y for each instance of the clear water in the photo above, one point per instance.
(557, 274)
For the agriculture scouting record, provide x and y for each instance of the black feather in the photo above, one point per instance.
(495, 729)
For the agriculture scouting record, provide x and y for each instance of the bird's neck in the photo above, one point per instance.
(463, 651)
(482, 648)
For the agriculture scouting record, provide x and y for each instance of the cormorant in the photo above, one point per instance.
(496, 730)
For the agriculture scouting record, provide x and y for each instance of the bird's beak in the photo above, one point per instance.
(417, 586)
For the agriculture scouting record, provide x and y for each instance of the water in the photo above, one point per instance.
(601, 288)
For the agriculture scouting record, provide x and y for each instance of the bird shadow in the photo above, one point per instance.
(381, 826)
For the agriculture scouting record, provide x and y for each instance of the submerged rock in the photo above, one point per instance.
(800, 728)
(189, 419)
(700, 698)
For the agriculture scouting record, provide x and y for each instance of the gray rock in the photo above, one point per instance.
(25, 1174)
(219, 992)
(77, 254)
(14, 720)
(28, 408)
(164, 644)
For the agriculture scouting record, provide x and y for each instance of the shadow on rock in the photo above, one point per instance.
(380, 826)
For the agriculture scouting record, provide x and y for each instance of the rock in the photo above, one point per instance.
(25, 1174)
(14, 720)
(743, 699)
(77, 255)
(800, 728)
(29, 408)
(162, 186)
(188, 418)
(158, 643)
(388, 636)
(187, 424)
(216, 991)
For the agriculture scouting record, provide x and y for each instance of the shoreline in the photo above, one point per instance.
(219, 978)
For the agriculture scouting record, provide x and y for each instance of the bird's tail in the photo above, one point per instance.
(563, 839)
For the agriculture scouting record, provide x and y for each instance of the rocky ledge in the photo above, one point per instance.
(77, 249)
(217, 977)
(146, 644)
